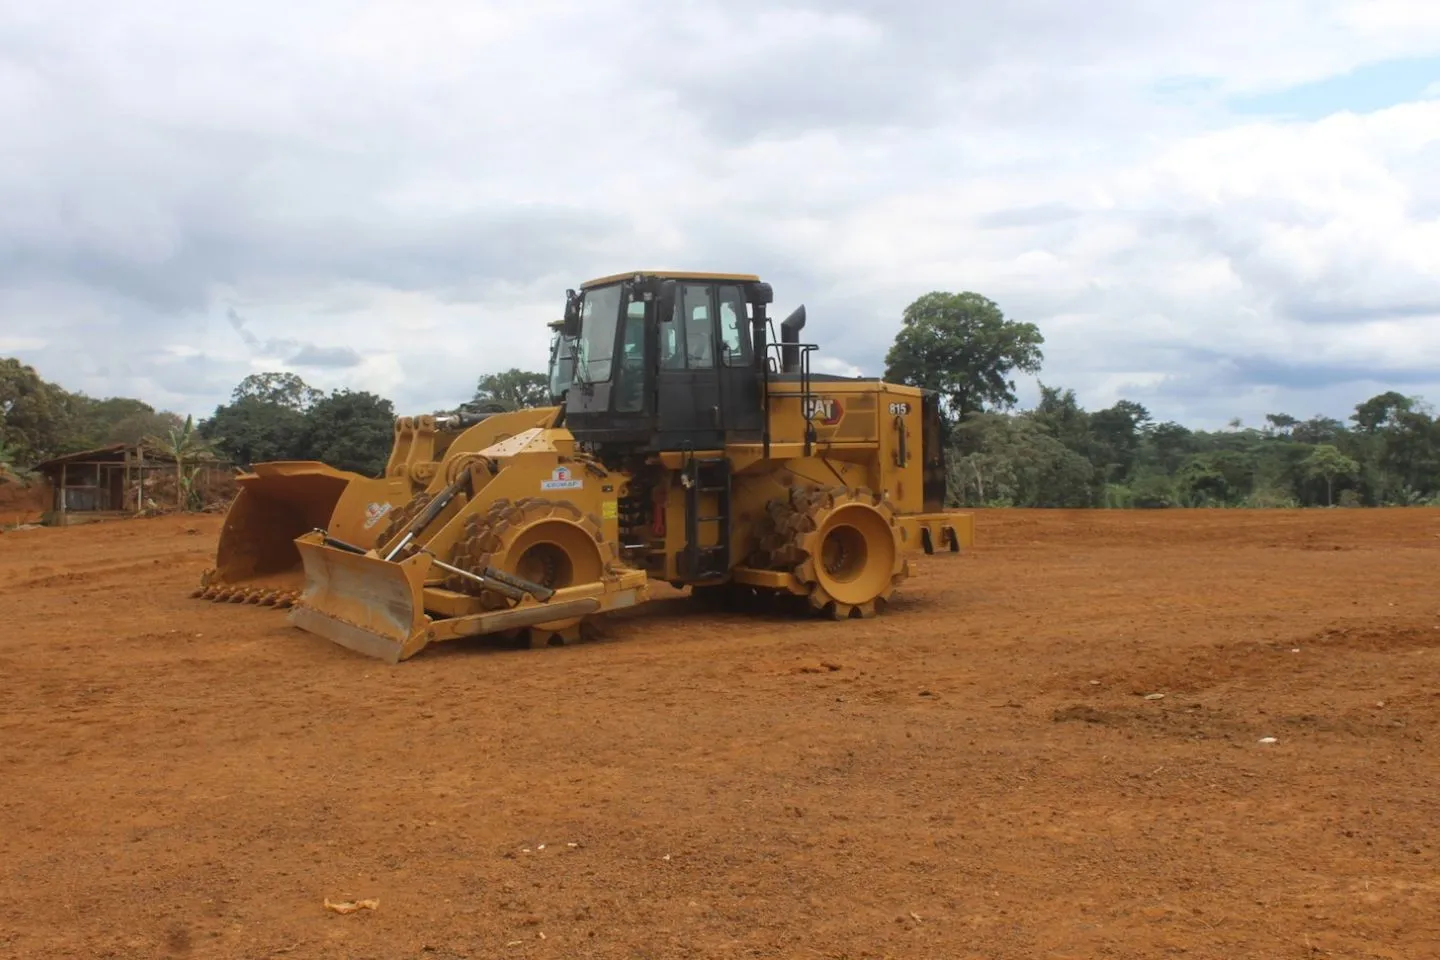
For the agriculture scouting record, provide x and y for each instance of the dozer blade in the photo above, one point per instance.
(256, 555)
(363, 603)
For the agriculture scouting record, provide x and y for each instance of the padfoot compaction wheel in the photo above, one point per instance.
(843, 545)
(547, 542)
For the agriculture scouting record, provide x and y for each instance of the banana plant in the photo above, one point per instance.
(186, 447)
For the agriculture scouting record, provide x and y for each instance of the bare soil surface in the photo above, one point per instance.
(985, 771)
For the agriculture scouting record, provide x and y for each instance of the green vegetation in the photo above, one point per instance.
(40, 419)
(963, 347)
(278, 416)
(1061, 455)
(185, 445)
(270, 416)
(515, 389)
(959, 344)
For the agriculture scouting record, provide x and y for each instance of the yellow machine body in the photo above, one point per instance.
(256, 558)
(507, 524)
(867, 442)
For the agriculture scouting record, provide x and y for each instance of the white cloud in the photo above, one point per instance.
(399, 197)
(837, 367)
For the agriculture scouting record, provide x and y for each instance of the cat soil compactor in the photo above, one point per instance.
(687, 446)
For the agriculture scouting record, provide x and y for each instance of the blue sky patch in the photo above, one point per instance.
(1366, 89)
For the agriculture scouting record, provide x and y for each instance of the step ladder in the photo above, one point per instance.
(702, 477)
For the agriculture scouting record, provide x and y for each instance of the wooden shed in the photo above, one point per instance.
(118, 480)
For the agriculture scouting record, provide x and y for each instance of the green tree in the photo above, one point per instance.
(1280, 424)
(266, 419)
(37, 417)
(252, 430)
(515, 388)
(1201, 483)
(1117, 433)
(137, 426)
(1060, 413)
(1164, 446)
(282, 389)
(1381, 411)
(96, 423)
(92, 420)
(351, 431)
(1153, 490)
(1222, 477)
(962, 346)
(1328, 463)
(1015, 461)
(1410, 454)
(1318, 430)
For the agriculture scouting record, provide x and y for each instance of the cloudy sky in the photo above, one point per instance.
(1220, 209)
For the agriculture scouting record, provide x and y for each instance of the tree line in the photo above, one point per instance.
(40, 419)
(269, 416)
(961, 345)
(1061, 455)
(278, 416)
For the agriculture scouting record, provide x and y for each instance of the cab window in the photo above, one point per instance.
(630, 390)
(732, 327)
(694, 308)
(672, 341)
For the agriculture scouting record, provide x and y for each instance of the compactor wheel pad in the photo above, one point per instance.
(550, 542)
(842, 544)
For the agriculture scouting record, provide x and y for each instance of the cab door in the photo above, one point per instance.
(688, 389)
(741, 406)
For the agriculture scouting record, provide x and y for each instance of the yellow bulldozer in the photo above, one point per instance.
(689, 446)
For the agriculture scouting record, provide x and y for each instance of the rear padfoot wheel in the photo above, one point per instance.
(843, 546)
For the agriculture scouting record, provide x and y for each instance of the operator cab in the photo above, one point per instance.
(667, 361)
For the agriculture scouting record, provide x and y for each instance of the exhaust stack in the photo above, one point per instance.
(790, 329)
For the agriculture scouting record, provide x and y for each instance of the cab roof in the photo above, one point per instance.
(671, 275)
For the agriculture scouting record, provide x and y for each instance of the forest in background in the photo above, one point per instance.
(1057, 454)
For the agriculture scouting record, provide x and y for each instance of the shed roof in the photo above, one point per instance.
(111, 452)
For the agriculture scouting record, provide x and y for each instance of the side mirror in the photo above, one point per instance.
(570, 326)
(665, 301)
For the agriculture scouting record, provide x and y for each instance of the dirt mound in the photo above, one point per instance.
(21, 502)
(1098, 734)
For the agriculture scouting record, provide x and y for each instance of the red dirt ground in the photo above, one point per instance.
(976, 774)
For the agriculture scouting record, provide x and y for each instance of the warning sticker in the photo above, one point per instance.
(610, 510)
(374, 513)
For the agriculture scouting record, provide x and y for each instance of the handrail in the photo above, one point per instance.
(807, 395)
